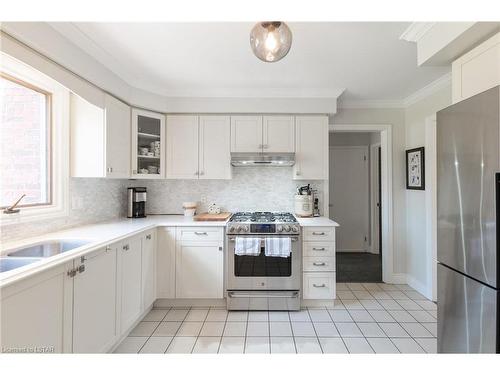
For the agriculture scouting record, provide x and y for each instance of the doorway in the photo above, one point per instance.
(355, 194)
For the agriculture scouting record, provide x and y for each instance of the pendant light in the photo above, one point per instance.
(270, 40)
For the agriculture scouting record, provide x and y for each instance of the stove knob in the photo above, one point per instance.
(240, 228)
(279, 228)
(295, 229)
(286, 228)
(231, 229)
(245, 228)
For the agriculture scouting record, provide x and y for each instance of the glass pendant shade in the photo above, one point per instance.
(270, 40)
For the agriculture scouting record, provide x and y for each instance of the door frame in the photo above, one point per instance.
(385, 131)
(374, 192)
(367, 192)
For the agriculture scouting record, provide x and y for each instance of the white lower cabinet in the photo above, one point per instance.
(165, 263)
(130, 278)
(199, 263)
(94, 302)
(319, 285)
(36, 313)
(148, 283)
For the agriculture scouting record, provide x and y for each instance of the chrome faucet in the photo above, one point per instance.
(12, 209)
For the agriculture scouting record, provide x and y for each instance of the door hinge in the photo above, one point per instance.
(364, 157)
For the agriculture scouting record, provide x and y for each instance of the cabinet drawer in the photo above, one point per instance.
(319, 285)
(319, 234)
(319, 264)
(199, 234)
(319, 249)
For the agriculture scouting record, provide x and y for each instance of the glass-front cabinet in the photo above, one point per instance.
(148, 144)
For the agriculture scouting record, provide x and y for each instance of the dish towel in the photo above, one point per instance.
(278, 247)
(247, 246)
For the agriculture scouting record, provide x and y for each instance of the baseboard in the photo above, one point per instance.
(418, 286)
(398, 278)
(318, 303)
(351, 251)
(188, 302)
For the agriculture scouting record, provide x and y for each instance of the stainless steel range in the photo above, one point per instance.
(258, 281)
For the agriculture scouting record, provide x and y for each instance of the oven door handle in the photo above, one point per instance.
(237, 295)
(294, 239)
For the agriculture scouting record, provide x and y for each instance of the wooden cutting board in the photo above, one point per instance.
(223, 216)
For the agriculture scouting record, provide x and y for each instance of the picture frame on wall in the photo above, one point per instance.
(415, 169)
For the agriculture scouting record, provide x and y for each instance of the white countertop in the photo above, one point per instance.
(105, 233)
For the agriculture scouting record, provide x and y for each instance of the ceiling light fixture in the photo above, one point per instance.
(270, 40)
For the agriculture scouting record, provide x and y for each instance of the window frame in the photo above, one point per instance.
(48, 136)
(58, 150)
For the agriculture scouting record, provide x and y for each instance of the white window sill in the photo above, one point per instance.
(33, 214)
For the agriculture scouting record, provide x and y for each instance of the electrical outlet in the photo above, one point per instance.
(203, 200)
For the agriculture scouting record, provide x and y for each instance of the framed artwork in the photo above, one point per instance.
(415, 169)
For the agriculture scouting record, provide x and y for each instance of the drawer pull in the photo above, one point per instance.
(148, 237)
(126, 247)
(318, 248)
(201, 233)
(319, 286)
(318, 233)
(319, 264)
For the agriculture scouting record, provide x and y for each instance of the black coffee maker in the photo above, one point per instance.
(136, 200)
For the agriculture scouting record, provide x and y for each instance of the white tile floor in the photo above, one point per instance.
(367, 318)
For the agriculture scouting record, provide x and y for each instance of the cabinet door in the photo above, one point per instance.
(117, 121)
(278, 134)
(148, 269)
(36, 313)
(130, 282)
(148, 144)
(311, 148)
(214, 147)
(94, 303)
(165, 265)
(199, 269)
(246, 133)
(182, 147)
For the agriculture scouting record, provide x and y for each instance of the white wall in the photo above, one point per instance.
(416, 216)
(396, 118)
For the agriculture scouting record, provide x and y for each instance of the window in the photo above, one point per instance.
(34, 143)
(25, 143)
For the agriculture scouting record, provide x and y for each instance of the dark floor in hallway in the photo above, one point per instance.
(358, 267)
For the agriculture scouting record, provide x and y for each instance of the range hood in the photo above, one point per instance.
(243, 159)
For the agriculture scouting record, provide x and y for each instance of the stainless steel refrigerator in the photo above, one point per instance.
(468, 204)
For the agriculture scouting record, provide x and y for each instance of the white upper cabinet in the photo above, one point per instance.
(100, 138)
(214, 147)
(477, 70)
(94, 302)
(311, 148)
(148, 144)
(278, 134)
(182, 147)
(246, 134)
(198, 147)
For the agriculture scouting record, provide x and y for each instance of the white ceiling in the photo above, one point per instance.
(214, 59)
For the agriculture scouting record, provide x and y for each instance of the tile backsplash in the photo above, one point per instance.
(93, 200)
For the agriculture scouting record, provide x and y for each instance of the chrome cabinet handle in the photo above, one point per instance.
(108, 248)
(318, 249)
(196, 173)
(319, 286)
(201, 233)
(148, 237)
(81, 268)
(319, 264)
(297, 173)
(126, 247)
(220, 248)
(202, 173)
(318, 233)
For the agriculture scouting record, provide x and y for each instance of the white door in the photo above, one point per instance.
(148, 127)
(118, 147)
(148, 269)
(129, 255)
(199, 269)
(94, 303)
(182, 147)
(279, 134)
(311, 148)
(36, 313)
(349, 196)
(246, 134)
(215, 147)
(165, 264)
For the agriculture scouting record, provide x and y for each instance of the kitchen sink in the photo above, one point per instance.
(47, 249)
(8, 264)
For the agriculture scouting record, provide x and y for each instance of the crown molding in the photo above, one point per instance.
(371, 104)
(416, 31)
(428, 90)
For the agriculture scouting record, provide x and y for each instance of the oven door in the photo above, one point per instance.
(261, 272)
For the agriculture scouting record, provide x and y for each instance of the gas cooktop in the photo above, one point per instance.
(263, 223)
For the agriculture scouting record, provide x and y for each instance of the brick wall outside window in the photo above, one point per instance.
(23, 144)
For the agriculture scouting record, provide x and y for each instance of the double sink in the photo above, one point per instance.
(33, 253)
